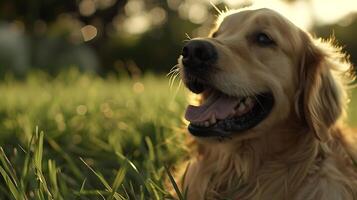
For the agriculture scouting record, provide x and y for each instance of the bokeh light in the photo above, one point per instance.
(89, 32)
(87, 7)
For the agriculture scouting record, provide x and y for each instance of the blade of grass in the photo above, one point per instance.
(71, 164)
(52, 172)
(183, 181)
(27, 164)
(125, 192)
(17, 195)
(39, 150)
(38, 166)
(82, 186)
(118, 180)
(104, 182)
(132, 191)
(154, 191)
(158, 187)
(100, 177)
(124, 158)
(8, 167)
(142, 193)
(100, 194)
(150, 148)
(173, 182)
(39, 194)
(91, 192)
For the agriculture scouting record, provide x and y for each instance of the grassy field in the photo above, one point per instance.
(83, 137)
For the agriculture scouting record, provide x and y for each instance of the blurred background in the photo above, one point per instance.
(134, 36)
(86, 108)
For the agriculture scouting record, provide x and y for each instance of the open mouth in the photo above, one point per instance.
(221, 115)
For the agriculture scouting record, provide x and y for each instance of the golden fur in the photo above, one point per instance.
(302, 150)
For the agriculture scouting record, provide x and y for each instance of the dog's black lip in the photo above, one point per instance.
(195, 83)
(230, 126)
(196, 86)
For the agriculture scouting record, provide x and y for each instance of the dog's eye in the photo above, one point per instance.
(263, 39)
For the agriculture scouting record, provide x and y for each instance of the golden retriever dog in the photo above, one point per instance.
(269, 118)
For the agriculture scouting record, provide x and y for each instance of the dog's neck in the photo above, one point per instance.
(246, 166)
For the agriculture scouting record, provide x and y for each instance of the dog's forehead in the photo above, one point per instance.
(263, 16)
(242, 23)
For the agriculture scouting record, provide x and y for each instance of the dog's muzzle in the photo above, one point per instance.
(198, 58)
(219, 115)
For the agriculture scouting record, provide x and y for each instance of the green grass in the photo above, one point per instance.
(83, 137)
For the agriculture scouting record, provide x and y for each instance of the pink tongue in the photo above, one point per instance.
(219, 106)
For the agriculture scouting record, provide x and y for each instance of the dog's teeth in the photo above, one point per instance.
(248, 101)
(206, 123)
(241, 107)
(213, 119)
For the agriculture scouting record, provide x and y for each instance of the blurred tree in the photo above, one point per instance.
(52, 30)
(118, 35)
(62, 25)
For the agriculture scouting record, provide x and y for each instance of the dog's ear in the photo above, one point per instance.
(321, 95)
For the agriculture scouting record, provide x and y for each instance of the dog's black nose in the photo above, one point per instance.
(198, 53)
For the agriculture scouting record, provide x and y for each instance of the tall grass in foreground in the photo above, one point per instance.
(83, 137)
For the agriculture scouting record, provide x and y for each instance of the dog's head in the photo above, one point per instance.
(257, 70)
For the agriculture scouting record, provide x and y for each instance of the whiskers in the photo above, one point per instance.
(175, 70)
(188, 38)
(173, 73)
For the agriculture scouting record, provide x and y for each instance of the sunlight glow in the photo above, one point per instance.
(306, 13)
(158, 15)
(134, 7)
(197, 13)
(136, 24)
(331, 11)
(173, 4)
(297, 12)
